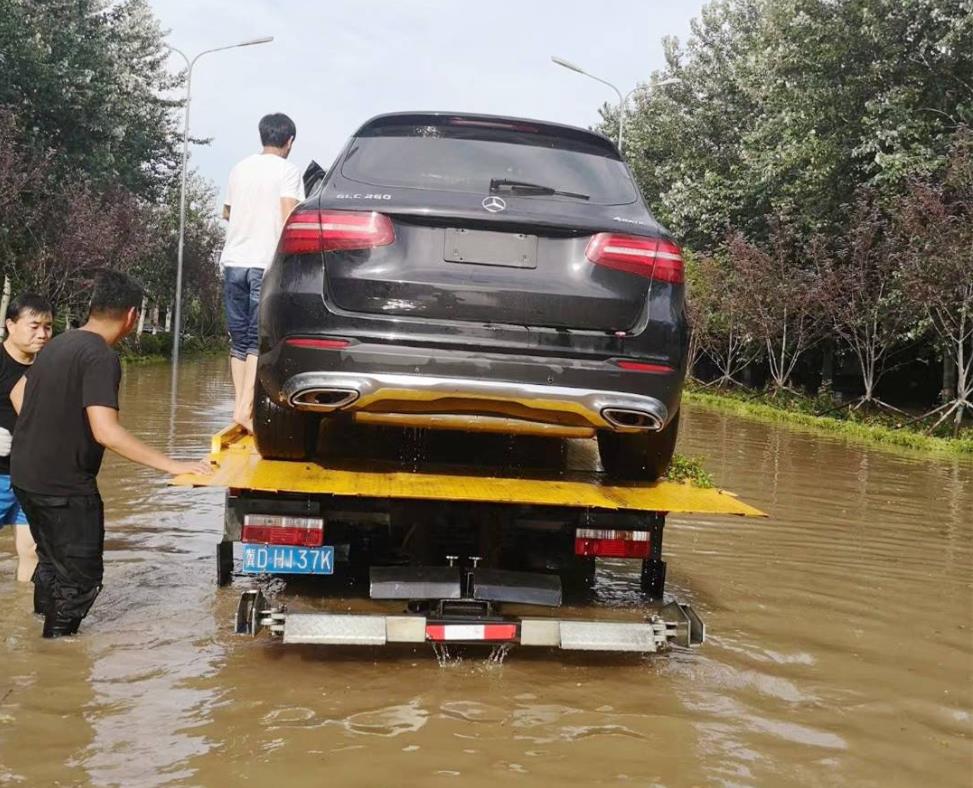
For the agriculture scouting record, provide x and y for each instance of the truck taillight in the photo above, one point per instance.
(653, 258)
(611, 544)
(309, 232)
(281, 529)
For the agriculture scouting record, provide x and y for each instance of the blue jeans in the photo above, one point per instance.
(241, 295)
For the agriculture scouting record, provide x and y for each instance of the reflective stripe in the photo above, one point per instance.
(440, 632)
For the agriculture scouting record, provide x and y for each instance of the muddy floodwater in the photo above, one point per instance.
(840, 646)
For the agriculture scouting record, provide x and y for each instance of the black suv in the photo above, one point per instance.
(477, 273)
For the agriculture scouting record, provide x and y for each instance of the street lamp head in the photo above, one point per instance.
(567, 64)
(668, 81)
(262, 40)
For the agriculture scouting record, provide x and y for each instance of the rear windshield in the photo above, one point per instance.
(464, 160)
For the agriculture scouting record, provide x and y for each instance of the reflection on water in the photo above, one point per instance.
(840, 646)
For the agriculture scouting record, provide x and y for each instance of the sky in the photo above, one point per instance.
(335, 63)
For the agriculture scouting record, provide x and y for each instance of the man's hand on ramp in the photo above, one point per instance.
(199, 467)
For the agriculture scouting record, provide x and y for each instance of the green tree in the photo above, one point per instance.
(87, 79)
(202, 285)
(786, 107)
(87, 142)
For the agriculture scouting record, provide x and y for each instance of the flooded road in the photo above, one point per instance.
(840, 646)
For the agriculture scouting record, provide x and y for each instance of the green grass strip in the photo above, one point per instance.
(874, 433)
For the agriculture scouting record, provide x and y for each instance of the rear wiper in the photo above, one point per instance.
(527, 188)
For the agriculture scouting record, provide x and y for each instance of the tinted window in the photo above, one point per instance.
(464, 160)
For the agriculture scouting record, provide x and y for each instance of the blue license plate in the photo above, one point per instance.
(287, 559)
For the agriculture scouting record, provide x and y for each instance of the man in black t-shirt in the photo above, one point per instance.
(68, 406)
(28, 322)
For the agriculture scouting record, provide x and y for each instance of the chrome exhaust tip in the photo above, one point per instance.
(324, 400)
(628, 420)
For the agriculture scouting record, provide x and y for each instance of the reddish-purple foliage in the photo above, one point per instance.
(779, 296)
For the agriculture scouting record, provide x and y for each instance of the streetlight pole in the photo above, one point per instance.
(622, 100)
(177, 318)
(575, 67)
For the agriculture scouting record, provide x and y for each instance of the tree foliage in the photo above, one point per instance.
(780, 300)
(87, 157)
(786, 107)
(87, 79)
(815, 155)
(935, 222)
(865, 294)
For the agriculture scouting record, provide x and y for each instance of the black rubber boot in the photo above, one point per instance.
(57, 625)
(42, 598)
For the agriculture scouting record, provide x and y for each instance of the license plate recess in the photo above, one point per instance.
(485, 247)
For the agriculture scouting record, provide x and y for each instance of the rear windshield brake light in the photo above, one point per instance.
(311, 232)
(493, 124)
(654, 258)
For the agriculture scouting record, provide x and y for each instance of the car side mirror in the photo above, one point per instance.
(313, 175)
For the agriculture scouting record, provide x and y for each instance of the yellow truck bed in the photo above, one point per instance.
(240, 467)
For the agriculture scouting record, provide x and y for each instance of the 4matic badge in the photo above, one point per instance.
(494, 204)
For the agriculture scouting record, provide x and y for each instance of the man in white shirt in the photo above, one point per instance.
(264, 188)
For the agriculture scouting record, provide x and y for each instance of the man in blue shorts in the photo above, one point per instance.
(29, 322)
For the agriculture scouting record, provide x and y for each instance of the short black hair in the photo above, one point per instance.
(114, 294)
(28, 302)
(276, 129)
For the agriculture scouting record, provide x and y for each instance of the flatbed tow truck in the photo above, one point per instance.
(453, 551)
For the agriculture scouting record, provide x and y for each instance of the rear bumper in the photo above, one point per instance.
(442, 388)
(418, 396)
(673, 624)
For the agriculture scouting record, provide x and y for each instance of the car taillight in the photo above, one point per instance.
(309, 232)
(281, 529)
(611, 544)
(654, 258)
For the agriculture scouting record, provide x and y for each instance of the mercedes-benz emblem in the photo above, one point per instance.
(494, 204)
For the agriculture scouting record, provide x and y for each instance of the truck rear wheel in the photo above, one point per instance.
(282, 433)
(640, 456)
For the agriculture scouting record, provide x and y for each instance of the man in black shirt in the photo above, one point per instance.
(68, 407)
(28, 322)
